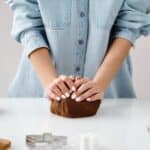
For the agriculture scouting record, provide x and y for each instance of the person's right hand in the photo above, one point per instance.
(60, 88)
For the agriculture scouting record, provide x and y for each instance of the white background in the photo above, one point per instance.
(10, 52)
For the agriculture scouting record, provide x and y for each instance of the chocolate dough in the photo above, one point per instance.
(4, 144)
(70, 108)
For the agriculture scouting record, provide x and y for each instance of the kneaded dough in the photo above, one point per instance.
(70, 108)
(4, 144)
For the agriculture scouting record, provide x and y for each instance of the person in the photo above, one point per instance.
(77, 48)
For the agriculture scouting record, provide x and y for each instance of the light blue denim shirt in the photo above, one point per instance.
(77, 34)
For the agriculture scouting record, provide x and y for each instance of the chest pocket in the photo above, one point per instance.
(104, 13)
(56, 14)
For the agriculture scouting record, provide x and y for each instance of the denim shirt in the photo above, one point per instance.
(77, 34)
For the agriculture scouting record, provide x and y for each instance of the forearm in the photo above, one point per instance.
(42, 62)
(117, 52)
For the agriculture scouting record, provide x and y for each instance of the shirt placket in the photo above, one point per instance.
(81, 42)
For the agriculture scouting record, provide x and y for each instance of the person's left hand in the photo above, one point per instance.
(87, 89)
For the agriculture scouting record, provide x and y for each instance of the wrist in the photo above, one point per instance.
(100, 83)
(47, 81)
(101, 89)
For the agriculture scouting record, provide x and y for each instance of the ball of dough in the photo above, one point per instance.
(72, 109)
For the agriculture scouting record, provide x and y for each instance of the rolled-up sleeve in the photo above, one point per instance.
(28, 28)
(133, 20)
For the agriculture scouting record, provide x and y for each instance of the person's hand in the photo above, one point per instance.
(60, 88)
(87, 89)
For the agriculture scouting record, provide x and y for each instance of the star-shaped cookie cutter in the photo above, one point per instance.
(47, 139)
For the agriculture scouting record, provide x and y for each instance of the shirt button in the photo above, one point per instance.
(77, 68)
(82, 14)
(80, 42)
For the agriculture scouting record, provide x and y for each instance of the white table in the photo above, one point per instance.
(119, 124)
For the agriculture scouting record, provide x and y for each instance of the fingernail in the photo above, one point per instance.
(78, 99)
(58, 98)
(88, 99)
(73, 88)
(67, 94)
(63, 96)
(73, 96)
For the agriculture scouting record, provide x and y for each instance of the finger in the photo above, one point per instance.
(72, 77)
(87, 94)
(95, 97)
(64, 90)
(78, 77)
(69, 82)
(56, 91)
(80, 81)
(52, 96)
(75, 79)
(84, 87)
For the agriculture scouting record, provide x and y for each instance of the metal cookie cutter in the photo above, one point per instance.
(47, 140)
